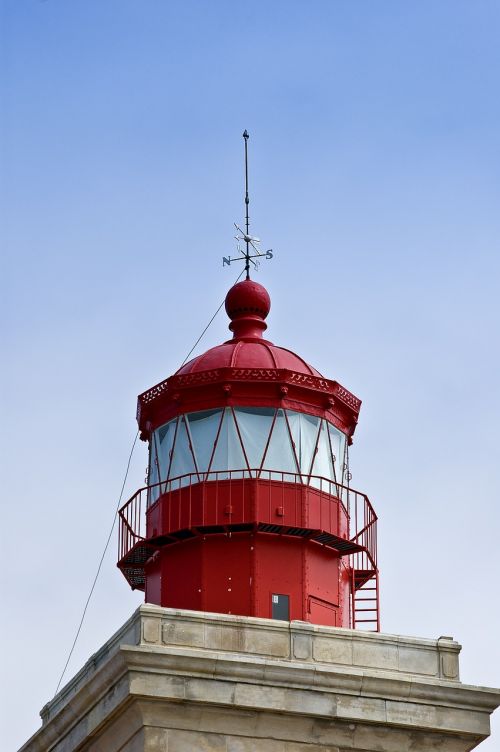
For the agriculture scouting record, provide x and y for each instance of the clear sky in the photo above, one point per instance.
(375, 177)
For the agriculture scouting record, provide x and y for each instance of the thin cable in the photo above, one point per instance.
(119, 502)
(207, 326)
(100, 563)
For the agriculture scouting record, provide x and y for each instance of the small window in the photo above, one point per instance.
(280, 607)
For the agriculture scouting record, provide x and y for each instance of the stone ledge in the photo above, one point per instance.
(154, 626)
(137, 678)
(236, 668)
(230, 664)
(300, 640)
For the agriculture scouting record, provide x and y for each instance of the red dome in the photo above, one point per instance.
(238, 353)
(248, 370)
(247, 305)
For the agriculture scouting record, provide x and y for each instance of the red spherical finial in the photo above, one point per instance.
(247, 305)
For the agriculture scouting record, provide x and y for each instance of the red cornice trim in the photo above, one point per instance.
(197, 391)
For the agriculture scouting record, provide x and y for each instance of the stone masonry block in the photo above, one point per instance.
(257, 696)
(328, 650)
(296, 729)
(378, 655)
(136, 744)
(241, 744)
(332, 733)
(369, 709)
(199, 741)
(153, 685)
(449, 664)
(418, 661)
(210, 690)
(302, 647)
(310, 703)
(229, 719)
(155, 740)
(224, 637)
(183, 633)
(279, 673)
(151, 631)
(266, 642)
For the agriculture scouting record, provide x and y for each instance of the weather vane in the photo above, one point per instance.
(252, 250)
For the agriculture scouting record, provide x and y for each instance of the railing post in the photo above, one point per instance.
(353, 597)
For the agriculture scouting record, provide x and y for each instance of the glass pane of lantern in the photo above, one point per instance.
(153, 478)
(160, 446)
(279, 455)
(203, 427)
(228, 451)
(182, 458)
(165, 440)
(254, 424)
(304, 430)
(153, 462)
(337, 441)
(322, 467)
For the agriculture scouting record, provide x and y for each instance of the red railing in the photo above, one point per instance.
(238, 496)
(365, 524)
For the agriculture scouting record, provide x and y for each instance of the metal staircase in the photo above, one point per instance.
(365, 600)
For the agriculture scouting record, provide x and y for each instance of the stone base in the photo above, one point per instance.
(173, 681)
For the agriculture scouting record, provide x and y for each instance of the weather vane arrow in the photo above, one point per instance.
(252, 250)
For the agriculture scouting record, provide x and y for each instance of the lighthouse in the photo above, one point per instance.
(258, 561)
(248, 508)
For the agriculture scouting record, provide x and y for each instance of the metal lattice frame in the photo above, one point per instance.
(183, 424)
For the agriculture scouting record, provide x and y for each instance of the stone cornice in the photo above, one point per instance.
(260, 665)
(270, 672)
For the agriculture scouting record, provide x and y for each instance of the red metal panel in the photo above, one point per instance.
(226, 574)
(345, 581)
(278, 501)
(343, 521)
(185, 506)
(153, 526)
(278, 564)
(239, 573)
(322, 574)
(181, 579)
(153, 581)
(313, 509)
(321, 612)
(222, 500)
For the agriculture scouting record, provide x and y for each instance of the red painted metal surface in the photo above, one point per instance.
(266, 532)
(247, 370)
(248, 387)
(231, 541)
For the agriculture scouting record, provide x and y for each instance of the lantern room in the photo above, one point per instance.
(248, 508)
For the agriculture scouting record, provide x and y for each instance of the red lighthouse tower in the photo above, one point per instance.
(248, 509)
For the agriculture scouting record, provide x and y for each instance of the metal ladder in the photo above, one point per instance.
(365, 600)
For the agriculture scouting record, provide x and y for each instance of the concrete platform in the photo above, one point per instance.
(173, 681)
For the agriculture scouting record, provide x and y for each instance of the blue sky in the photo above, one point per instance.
(374, 176)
